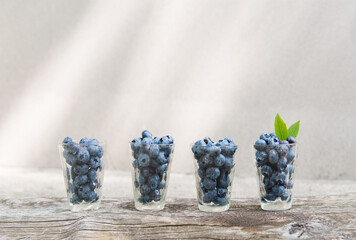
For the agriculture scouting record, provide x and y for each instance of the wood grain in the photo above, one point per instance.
(333, 217)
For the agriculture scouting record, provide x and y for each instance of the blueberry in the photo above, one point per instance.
(278, 190)
(95, 163)
(224, 181)
(154, 151)
(147, 141)
(153, 181)
(291, 140)
(212, 150)
(81, 169)
(273, 156)
(162, 185)
(72, 147)
(264, 136)
(230, 141)
(213, 173)
(223, 143)
(92, 175)
(155, 140)
(289, 185)
(145, 199)
(281, 178)
(209, 183)
(95, 150)
(267, 183)
(75, 199)
(284, 142)
(282, 164)
(145, 189)
(84, 141)
(84, 192)
(282, 150)
(83, 156)
(210, 196)
(261, 156)
(162, 158)
(161, 169)
(164, 140)
(266, 170)
(205, 161)
(228, 151)
(167, 149)
(170, 139)
(201, 172)
(80, 180)
(70, 159)
(72, 173)
(220, 201)
(156, 195)
(272, 135)
(222, 192)
(146, 134)
(208, 141)
(93, 184)
(143, 160)
(219, 160)
(92, 197)
(290, 155)
(93, 141)
(229, 164)
(67, 140)
(135, 154)
(260, 145)
(135, 144)
(146, 172)
(154, 162)
(270, 197)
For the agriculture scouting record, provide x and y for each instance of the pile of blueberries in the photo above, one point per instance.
(274, 159)
(152, 156)
(215, 161)
(84, 160)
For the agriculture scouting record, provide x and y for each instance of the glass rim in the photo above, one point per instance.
(233, 146)
(77, 142)
(159, 144)
(272, 146)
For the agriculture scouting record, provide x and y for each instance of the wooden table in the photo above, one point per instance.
(312, 217)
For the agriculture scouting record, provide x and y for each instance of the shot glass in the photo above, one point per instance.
(214, 175)
(83, 171)
(275, 174)
(150, 170)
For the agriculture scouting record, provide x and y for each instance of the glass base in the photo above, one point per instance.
(149, 207)
(211, 208)
(276, 205)
(85, 207)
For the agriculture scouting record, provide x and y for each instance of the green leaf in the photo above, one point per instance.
(280, 128)
(294, 129)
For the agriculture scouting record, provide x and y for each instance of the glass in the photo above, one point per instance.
(151, 165)
(275, 173)
(214, 175)
(83, 171)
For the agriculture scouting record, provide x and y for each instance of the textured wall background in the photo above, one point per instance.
(109, 69)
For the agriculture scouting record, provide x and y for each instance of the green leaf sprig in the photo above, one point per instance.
(281, 130)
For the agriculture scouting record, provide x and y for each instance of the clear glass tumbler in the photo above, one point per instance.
(151, 165)
(275, 173)
(214, 175)
(83, 170)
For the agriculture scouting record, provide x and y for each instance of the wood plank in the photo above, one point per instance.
(49, 218)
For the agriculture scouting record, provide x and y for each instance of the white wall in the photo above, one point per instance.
(109, 69)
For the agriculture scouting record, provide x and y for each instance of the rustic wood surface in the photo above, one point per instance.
(332, 217)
